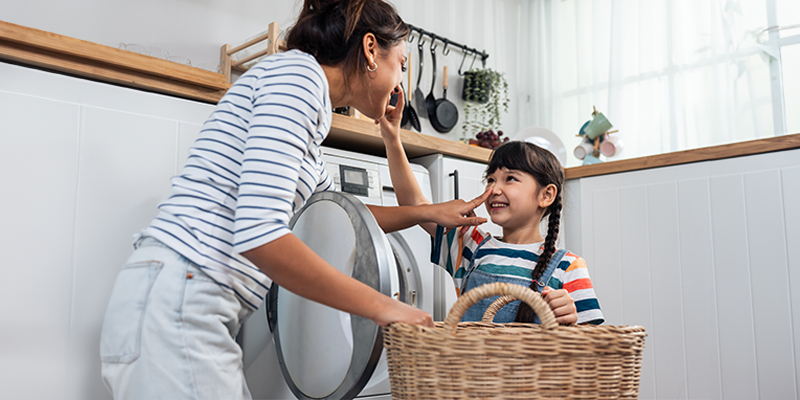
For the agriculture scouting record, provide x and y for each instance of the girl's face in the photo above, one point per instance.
(372, 94)
(514, 202)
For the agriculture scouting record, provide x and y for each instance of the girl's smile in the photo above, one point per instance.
(514, 204)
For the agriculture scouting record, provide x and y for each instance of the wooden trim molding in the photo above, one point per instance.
(750, 147)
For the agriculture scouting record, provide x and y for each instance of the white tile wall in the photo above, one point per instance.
(84, 165)
(39, 164)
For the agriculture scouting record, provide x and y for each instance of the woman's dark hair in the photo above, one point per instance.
(546, 170)
(332, 31)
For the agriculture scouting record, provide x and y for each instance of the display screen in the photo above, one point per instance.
(355, 177)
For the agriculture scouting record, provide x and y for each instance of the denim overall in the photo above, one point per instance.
(474, 278)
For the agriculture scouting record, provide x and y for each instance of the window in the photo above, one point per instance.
(670, 75)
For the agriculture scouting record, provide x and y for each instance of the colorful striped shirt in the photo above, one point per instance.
(254, 164)
(455, 249)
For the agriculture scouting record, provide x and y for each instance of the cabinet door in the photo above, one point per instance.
(467, 176)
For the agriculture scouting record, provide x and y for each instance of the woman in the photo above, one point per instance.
(178, 302)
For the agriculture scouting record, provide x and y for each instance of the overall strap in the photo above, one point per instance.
(548, 272)
(472, 262)
(551, 267)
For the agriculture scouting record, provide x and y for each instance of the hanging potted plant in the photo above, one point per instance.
(485, 94)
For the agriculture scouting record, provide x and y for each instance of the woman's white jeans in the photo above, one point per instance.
(169, 331)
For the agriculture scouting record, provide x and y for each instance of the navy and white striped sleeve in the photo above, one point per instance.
(286, 106)
(325, 181)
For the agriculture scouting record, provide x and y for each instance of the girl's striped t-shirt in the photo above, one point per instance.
(455, 249)
(254, 164)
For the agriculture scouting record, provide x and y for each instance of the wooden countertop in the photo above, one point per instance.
(28, 46)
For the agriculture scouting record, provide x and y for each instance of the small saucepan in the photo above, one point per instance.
(445, 114)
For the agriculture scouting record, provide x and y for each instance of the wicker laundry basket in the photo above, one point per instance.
(469, 360)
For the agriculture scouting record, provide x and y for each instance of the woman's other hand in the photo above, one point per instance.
(390, 123)
(562, 305)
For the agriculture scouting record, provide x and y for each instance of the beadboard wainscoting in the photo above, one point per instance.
(706, 256)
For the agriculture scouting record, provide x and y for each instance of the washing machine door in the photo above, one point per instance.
(325, 353)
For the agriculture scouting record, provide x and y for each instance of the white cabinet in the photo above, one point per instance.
(84, 165)
(705, 256)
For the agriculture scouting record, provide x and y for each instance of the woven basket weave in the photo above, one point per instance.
(469, 360)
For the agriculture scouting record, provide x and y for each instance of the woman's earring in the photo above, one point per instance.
(373, 68)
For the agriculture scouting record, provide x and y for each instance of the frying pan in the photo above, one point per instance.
(419, 97)
(445, 114)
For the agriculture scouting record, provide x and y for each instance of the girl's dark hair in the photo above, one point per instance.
(333, 30)
(545, 169)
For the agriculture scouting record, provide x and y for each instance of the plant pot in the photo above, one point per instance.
(477, 87)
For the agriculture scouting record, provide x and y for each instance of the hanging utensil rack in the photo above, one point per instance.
(448, 44)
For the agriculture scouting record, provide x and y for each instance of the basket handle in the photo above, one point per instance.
(496, 305)
(523, 293)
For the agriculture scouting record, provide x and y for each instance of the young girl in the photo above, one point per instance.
(523, 185)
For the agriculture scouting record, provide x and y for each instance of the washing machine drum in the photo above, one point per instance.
(325, 353)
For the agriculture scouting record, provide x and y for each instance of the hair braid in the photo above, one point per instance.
(525, 313)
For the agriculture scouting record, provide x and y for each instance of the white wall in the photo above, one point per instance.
(195, 30)
(705, 256)
(84, 166)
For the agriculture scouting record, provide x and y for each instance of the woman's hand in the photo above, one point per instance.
(390, 123)
(562, 304)
(396, 311)
(455, 213)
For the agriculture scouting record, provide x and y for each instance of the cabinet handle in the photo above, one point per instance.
(454, 174)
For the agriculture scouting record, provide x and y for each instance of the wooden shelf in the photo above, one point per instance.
(750, 147)
(363, 136)
(28, 46)
(50, 51)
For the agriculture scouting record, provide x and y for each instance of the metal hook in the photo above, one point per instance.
(433, 45)
(462, 64)
(421, 42)
(483, 61)
(445, 50)
(474, 57)
(410, 38)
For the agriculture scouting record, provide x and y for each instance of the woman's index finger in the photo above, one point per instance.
(483, 197)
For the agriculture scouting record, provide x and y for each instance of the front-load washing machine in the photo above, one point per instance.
(296, 348)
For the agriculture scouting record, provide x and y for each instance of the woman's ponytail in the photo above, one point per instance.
(332, 31)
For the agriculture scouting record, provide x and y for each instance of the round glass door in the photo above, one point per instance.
(325, 353)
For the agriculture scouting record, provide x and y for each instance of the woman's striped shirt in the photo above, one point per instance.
(254, 164)
(455, 249)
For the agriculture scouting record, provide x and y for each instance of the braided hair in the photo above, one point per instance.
(546, 170)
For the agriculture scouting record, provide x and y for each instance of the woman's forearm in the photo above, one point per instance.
(294, 266)
(397, 218)
(404, 182)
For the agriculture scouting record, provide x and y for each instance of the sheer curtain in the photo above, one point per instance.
(670, 75)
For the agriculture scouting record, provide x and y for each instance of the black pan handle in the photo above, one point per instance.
(421, 64)
(454, 174)
(433, 57)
